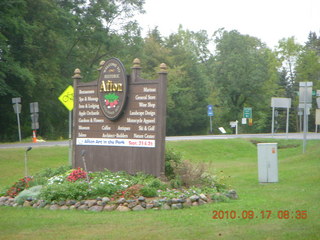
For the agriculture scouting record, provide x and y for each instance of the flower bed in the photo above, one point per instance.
(66, 188)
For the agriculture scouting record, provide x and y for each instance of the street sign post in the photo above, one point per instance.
(305, 98)
(17, 110)
(34, 110)
(67, 100)
(210, 114)
(280, 103)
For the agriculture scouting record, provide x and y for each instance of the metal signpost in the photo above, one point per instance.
(210, 114)
(17, 110)
(34, 110)
(67, 100)
(234, 124)
(317, 119)
(280, 103)
(305, 102)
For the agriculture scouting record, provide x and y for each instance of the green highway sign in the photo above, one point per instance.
(247, 112)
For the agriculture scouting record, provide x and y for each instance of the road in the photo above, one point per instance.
(178, 138)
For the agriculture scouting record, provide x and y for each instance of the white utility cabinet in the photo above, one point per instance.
(267, 162)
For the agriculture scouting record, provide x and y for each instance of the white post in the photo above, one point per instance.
(272, 126)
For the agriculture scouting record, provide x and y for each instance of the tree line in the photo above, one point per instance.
(43, 41)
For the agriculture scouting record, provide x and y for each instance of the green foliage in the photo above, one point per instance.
(41, 177)
(218, 197)
(148, 191)
(32, 193)
(172, 159)
(68, 190)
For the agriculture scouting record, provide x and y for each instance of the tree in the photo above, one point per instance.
(43, 41)
(244, 75)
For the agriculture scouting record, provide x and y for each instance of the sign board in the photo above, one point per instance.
(17, 108)
(210, 110)
(222, 130)
(34, 107)
(67, 98)
(318, 102)
(318, 93)
(317, 116)
(128, 135)
(244, 121)
(16, 100)
(233, 124)
(305, 92)
(281, 102)
(247, 112)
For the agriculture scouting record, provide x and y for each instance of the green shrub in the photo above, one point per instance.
(147, 191)
(64, 191)
(42, 177)
(218, 197)
(172, 160)
(33, 193)
(157, 184)
(176, 182)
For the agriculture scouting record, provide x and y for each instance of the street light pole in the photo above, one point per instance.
(26, 161)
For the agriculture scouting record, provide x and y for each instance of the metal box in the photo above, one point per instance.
(267, 162)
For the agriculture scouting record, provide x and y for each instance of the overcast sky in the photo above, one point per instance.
(268, 20)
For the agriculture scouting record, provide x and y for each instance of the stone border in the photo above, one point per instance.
(122, 204)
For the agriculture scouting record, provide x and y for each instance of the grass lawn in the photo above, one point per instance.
(298, 190)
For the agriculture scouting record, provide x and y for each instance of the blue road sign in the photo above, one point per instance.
(210, 110)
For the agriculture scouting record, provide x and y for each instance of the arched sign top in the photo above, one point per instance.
(112, 89)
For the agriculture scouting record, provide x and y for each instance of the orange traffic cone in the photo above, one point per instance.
(34, 137)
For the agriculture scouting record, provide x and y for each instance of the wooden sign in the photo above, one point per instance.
(119, 121)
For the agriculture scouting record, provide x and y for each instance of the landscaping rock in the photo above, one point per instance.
(109, 207)
(64, 207)
(176, 206)
(201, 202)
(188, 203)
(78, 204)
(91, 203)
(105, 200)
(27, 204)
(149, 206)
(138, 208)
(61, 203)
(83, 207)
(132, 204)
(121, 201)
(232, 194)
(141, 199)
(96, 208)
(72, 207)
(203, 197)
(194, 198)
(121, 208)
(54, 207)
(165, 207)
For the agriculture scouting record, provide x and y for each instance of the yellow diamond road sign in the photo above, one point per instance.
(67, 98)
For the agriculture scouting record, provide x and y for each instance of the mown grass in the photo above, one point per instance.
(298, 189)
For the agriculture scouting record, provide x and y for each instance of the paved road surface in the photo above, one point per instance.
(178, 138)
